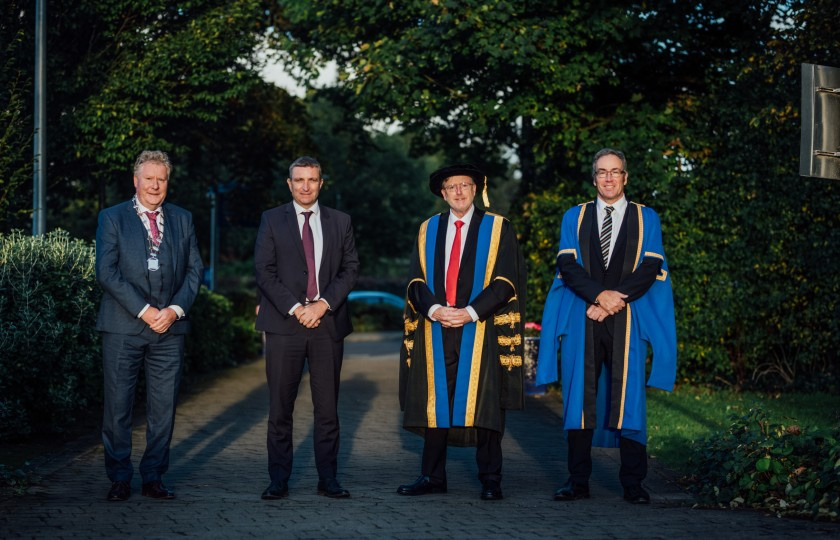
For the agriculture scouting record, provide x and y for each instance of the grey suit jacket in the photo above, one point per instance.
(281, 270)
(123, 274)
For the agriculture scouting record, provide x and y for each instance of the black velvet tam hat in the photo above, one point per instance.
(437, 178)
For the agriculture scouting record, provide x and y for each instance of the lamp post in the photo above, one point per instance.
(39, 188)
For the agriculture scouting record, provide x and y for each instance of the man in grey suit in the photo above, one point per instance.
(306, 265)
(149, 268)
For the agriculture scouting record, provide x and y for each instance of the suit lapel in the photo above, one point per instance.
(291, 223)
(328, 246)
(171, 233)
(137, 235)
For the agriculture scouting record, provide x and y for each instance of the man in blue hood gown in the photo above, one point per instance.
(610, 300)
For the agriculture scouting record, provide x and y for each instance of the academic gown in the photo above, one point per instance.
(489, 377)
(620, 408)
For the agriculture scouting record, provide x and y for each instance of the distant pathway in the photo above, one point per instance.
(219, 470)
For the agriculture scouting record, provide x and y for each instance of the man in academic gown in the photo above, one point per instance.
(610, 300)
(461, 360)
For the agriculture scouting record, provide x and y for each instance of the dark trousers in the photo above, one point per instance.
(633, 454)
(488, 454)
(285, 357)
(122, 357)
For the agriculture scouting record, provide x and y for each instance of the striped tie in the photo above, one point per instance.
(606, 234)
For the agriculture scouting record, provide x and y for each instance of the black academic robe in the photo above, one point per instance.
(490, 376)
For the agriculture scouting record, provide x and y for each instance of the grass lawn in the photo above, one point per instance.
(679, 420)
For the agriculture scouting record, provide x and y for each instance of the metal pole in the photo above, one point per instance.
(39, 188)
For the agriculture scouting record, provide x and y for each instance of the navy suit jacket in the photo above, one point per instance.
(123, 273)
(282, 274)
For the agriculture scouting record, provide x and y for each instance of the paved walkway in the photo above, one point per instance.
(219, 470)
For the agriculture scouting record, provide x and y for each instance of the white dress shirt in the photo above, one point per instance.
(141, 211)
(318, 240)
(450, 239)
(619, 208)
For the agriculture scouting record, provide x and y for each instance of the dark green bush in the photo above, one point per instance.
(761, 464)
(210, 345)
(50, 367)
(375, 317)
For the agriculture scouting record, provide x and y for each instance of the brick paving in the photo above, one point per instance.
(218, 470)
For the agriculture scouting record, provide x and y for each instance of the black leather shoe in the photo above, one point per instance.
(331, 488)
(636, 495)
(120, 491)
(422, 486)
(491, 491)
(276, 490)
(572, 491)
(156, 490)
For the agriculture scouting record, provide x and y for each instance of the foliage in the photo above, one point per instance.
(750, 245)
(371, 176)
(128, 75)
(761, 464)
(375, 318)
(49, 371)
(678, 421)
(553, 81)
(17, 480)
(15, 166)
(219, 337)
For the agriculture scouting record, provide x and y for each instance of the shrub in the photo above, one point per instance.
(209, 345)
(50, 368)
(762, 464)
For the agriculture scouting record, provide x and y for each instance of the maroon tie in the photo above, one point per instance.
(309, 253)
(454, 264)
(153, 226)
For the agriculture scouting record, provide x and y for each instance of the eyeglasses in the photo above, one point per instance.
(602, 173)
(463, 185)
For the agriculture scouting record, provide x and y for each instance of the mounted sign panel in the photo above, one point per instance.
(819, 153)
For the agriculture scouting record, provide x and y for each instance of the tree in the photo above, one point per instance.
(124, 76)
(15, 166)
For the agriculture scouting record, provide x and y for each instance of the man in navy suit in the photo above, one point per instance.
(306, 265)
(149, 267)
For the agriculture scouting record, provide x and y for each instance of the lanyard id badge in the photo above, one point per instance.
(153, 263)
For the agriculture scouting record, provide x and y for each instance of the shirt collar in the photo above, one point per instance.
(315, 209)
(143, 209)
(466, 219)
(618, 205)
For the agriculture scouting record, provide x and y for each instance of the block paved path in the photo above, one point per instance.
(218, 470)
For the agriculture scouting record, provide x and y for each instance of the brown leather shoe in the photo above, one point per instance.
(156, 490)
(120, 491)
(572, 491)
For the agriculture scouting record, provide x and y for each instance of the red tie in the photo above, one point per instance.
(153, 228)
(454, 264)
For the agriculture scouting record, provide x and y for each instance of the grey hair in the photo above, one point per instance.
(305, 161)
(156, 156)
(608, 152)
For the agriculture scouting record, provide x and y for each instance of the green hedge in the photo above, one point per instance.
(50, 368)
(756, 293)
